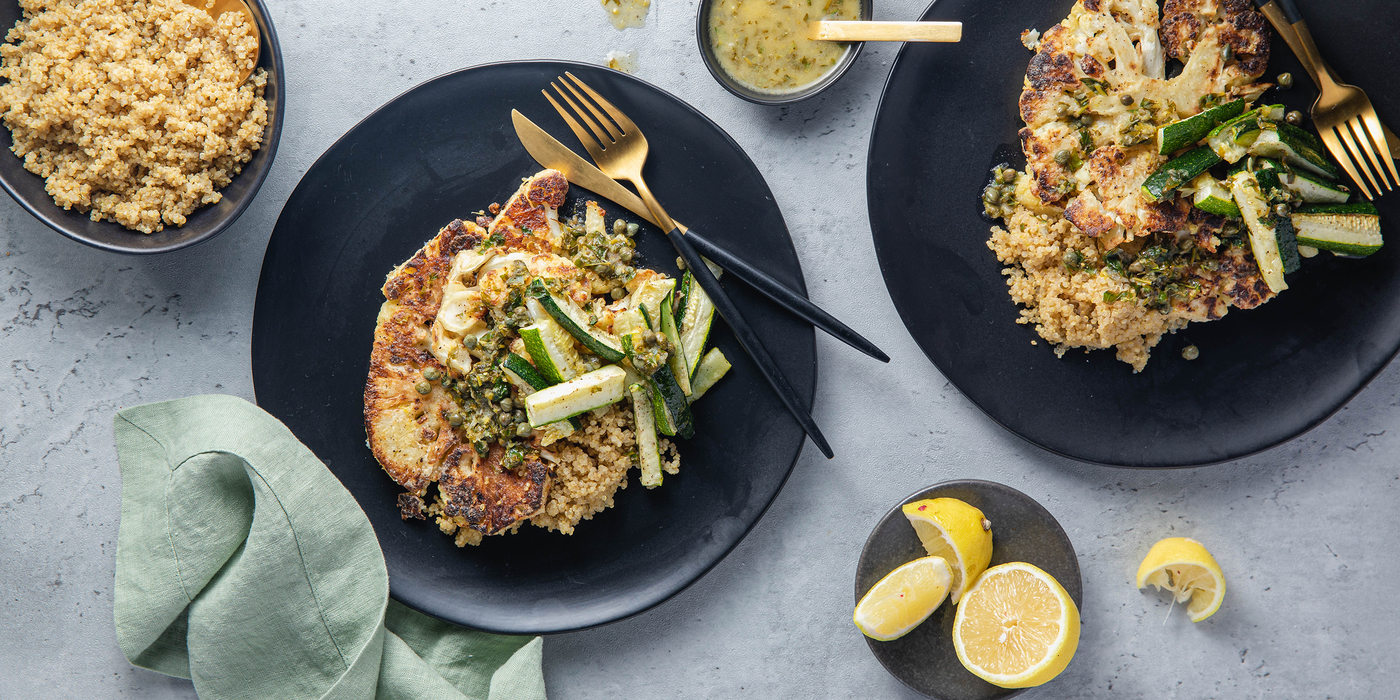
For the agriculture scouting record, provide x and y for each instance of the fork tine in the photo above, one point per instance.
(612, 129)
(627, 125)
(1377, 132)
(1358, 129)
(1329, 138)
(1344, 134)
(603, 136)
(590, 145)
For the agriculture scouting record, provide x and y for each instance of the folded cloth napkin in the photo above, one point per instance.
(245, 566)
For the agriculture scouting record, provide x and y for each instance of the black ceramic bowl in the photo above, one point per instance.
(204, 223)
(702, 36)
(1022, 530)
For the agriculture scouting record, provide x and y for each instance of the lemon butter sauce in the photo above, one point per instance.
(763, 44)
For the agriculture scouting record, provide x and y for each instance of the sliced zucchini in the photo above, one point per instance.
(596, 389)
(1263, 239)
(1232, 139)
(669, 404)
(712, 368)
(552, 349)
(1186, 132)
(573, 319)
(1178, 171)
(676, 359)
(1348, 229)
(1315, 190)
(697, 314)
(1295, 147)
(525, 377)
(648, 297)
(1213, 197)
(648, 449)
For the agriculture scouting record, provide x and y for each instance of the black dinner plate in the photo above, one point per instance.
(445, 150)
(1022, 530)
(1264, 376)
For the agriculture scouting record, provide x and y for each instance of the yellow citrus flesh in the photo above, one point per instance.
(1016, 627)
(956, 531)
(1184, 567)
(904, 598)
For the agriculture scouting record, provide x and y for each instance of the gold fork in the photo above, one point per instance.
(620, 151)
(1343, 114)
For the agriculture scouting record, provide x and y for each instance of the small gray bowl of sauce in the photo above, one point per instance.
(760, 51)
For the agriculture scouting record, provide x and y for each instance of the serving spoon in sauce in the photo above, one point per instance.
(841, 30)
(218, 7)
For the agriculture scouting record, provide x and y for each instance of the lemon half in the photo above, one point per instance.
(956, 531)
(1016, 627)
(1184, 567)
(904, 598)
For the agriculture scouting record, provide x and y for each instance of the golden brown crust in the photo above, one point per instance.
(523, 223)
(489, 498)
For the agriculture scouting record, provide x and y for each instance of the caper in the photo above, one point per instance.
(617, 293)
(618, 269)
(520, 417)
(504, 418)
(1281, 209)
(626, 256)
(431, 374)
(1062, 157)
(602, 269)
(680, 263)
(1126, 99)
(619, 227)
(455, 418)
(507, 404)
(991, 211)
(648, 337)
(1061, 109)
(1191, 352)
(632, 229)
(469, 342)
(523, 430)
(1073, 258)
(992, 195)
(1007, 176)
(1227, 52)
(1295, 117)
(423, 387)
(1285, 80)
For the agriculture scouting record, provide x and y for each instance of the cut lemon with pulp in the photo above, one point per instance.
(1016, 627)
(1184, 567)
(904, 598)
(956, 531)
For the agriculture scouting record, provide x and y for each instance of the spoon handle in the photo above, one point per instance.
(831, 30)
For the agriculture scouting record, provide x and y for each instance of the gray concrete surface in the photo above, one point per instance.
(1305, 532)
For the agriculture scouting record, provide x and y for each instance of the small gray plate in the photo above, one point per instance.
(1022, 530)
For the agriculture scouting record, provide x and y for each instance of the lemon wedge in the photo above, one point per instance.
(956, 531)
(904, 598)
(1016, 627)
(1184, 567)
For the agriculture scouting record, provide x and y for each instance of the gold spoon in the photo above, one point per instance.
(218, 7)
(841, 30)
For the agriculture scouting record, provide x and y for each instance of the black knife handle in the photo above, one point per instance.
(1290, 11)
(783, 295)
(730, 313)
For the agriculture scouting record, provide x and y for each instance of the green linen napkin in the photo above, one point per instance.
(245, 566)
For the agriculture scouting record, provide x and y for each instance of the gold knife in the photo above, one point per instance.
(550, 153)
(547, 151)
